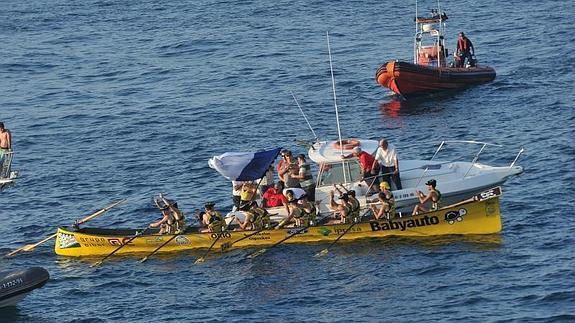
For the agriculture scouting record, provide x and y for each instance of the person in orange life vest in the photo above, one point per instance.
(465, 49)
(369, 166)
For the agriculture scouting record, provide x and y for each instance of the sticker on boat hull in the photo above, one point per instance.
(66, 241)
(455, 216)
(324, 231)
(181, 241)
(297, 231)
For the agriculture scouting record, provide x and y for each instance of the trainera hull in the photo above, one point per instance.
(477, 217)
(408, 80)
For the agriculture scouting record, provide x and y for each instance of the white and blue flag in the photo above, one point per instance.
(244, 166)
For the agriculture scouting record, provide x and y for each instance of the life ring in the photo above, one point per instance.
(346, 144)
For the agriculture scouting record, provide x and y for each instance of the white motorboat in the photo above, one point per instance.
(456, 180)
(7, 175)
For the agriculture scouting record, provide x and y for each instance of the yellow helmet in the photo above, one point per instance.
(384, 185)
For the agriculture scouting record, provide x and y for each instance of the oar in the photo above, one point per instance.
(138, 233)
(203, 258)
(160, 247)
(325, 251)
(263, 250)
(31, 247)
(227, 245)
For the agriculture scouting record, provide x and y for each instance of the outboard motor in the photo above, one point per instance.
(14, 286)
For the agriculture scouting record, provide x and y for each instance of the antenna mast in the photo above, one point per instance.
(304, 116)
(336, 110)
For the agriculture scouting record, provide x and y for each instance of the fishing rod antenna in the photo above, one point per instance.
(304, 116)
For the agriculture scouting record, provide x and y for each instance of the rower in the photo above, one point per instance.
(167, 222)
(294, 213)
(387, 209)
(177, 214)
(354, 206)
(341, 209)
(434, 196)
(352, 203)
(257, 218)
(212, 219)
(309, 211)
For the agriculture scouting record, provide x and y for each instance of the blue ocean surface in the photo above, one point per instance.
(124, 99)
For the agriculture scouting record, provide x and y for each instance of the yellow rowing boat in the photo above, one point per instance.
(479, 215)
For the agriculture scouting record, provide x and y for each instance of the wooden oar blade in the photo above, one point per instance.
(97, 264)
(143, 259)
(321, 253)
(30, 247)
(199, 260)
(257, 253)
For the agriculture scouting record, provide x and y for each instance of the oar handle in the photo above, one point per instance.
(121, 246)
(160, 247)
(100, 212)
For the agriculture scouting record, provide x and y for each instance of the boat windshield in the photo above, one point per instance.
(332, 173)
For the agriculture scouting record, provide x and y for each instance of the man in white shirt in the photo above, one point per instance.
(386, 156)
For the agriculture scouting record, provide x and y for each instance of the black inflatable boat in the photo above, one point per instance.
(14, 286)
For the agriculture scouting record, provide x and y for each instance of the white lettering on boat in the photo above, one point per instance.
(12, 283)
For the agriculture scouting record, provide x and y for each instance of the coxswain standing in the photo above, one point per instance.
(5, 144)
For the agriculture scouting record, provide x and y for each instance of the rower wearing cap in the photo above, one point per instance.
(212, 219)
(434, 196)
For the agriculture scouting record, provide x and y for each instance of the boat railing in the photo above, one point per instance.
(475, 158)
(6, 164)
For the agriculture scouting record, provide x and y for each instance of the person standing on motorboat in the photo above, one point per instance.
(386, 156)
(237, 194)
(369, 166)
(305, 177)
(5, 144)
(267, 181)
(289, 170)
(434, 196)
(465, 50)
